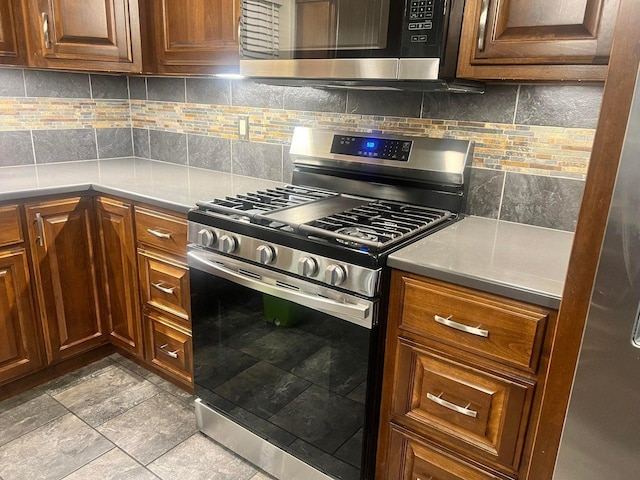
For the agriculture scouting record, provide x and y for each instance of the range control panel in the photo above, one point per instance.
(382, 148)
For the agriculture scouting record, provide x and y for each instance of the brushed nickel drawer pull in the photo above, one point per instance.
(459, 326)
(168, 291)
(452, 406)
(482, 26)
(173, 354)
(158, 234)
(40, 226)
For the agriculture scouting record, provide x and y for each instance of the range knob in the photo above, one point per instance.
(206, 238)
(335, 275)
(266, 254)
(228, 243)
(307, 267)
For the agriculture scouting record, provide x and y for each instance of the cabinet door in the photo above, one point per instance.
(20, 339)
(12, 41)
(61, 238)
(542, 40)
(117, 260)
(197, 36)
(85, 34)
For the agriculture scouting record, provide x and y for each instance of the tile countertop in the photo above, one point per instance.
(161, 184)
(518, 261)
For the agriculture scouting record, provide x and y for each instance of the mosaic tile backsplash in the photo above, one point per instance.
(532, 142)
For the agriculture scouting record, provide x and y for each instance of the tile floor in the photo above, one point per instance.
(110, 420)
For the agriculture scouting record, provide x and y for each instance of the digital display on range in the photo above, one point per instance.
(376, 148)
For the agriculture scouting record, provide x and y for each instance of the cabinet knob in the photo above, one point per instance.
(266, 254)
(307, 267)
(335, 275)
(228, 243)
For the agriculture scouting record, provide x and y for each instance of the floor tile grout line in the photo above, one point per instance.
(170, 450)
(82, 466)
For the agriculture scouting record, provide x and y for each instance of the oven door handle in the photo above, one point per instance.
(358, 313)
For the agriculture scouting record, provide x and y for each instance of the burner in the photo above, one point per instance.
(358, 233)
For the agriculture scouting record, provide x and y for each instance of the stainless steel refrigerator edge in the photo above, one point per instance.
(601, 436)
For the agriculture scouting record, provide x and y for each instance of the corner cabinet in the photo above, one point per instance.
(542, 40)
(462, 375)
(61, 240)
(95, 35)
(13, 46)
(20, 337)
(196, 36)
(118, 273)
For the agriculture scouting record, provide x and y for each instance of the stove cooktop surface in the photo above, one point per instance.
(345, 220)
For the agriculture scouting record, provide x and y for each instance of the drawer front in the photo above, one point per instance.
(419, 461)
(169, 347)
(503, 330)
(10, 225)
(165, 283)
(469, 409)
(166, 232)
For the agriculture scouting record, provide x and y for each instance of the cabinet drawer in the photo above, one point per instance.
(164, 282)
(508, 331)
(417, 460)
(168, 346)
(10, 225)
(166, 232)
(467, 408)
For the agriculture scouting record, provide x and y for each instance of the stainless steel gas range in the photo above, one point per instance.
(289, 299)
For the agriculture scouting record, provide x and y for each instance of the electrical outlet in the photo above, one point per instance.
(243, 127)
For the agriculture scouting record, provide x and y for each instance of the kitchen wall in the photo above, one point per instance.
(532, 141)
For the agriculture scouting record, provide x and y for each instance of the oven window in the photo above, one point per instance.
(292, 375)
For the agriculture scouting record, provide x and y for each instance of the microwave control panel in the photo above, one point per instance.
(424, 22)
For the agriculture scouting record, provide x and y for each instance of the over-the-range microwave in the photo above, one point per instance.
(353, 43)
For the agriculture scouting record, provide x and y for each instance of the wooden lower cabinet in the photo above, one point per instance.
(118, 273)
(20, 338)
(413, 459)
(462, 378)
(61, 240)
(169, 346)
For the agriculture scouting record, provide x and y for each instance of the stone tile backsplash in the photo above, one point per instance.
(532, 142)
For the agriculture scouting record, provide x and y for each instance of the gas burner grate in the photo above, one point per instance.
(246, 207)
(376, 225)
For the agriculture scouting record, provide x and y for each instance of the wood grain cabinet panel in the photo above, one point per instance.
(196, 36)
(10, 225)
(99, 35)
(169, 347)
(20, 338)
(542, 40)
(435, 395)
(507, 331)
(119, 274)
(163, 231)
(165, 283)
(13, 46)
(61, 240)
(420, 461)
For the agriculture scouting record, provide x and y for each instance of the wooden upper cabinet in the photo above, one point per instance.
(541, 40)
(61, 239)
(196, 36)
(99, 35)
(13, 47)
(119, 278)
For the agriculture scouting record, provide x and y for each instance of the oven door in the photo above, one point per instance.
(286, 359)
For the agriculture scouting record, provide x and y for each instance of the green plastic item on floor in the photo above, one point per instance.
(282, 313)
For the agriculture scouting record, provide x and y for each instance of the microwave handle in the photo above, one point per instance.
(357, 313)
